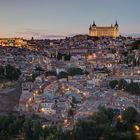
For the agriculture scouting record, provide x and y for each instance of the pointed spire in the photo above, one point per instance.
(90, 27)
(93, 23)
(116, 24)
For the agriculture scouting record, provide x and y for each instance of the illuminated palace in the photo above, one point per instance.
(109, 31)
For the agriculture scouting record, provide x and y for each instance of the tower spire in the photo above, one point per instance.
(93, 23)
(90, 27)
(116, 24)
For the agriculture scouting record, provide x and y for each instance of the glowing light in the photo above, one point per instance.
(42, 109)
(78, 91)
(137, 128)
(138, 71)
(44, 126)
(84, 94)
(65, 121)
(91, 56)
(30, 99)
(120, 117)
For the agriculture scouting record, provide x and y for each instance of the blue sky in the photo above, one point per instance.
(42, 18)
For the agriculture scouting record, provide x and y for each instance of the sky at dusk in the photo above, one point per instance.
(50, 18)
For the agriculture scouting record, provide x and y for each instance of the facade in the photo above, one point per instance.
(18, 42)
(104, 31)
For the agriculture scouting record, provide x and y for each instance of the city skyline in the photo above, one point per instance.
(53, 18)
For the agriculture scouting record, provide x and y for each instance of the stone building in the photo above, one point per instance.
(104, 31)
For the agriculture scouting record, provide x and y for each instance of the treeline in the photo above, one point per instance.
(136, 45)
(9, 72)
(103, 125)
(11, 127)
(62, 56)
(73, 71)
(132, 87)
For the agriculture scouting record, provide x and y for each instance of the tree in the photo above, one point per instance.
(12, 73)
(32, 77)
(10, 126)
(75, 71)
(86, 72)
(74, 100)
(39, 69)
(2, 78)
(108, 114)
(27, 130)
(51, 73)
(85, 130)
(122, 84)
(109, 133)
(129, 59)
(125, 53)
(133, 88)
(113, 83)
(129, 114)
(62, 74)
(59, 56)
(136, 45)
(67, 57)
(37, 131)
(1, 70)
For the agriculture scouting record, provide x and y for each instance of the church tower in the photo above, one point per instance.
(116, 33)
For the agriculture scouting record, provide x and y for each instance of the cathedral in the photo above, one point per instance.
(104, 31)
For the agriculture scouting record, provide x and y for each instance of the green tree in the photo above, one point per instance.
(75, 71)
(37, 131)
(136, 45)
(27, 130)
(32, 77)
(59, 56)
(133, 88)
(129, 114)
(62, 74)
(12, 73)
(122, 84)
(1, 70)
(67, 57)
(51, 73)
(113, 83)
(39, 69)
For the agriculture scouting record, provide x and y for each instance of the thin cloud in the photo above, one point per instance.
(38, 33)
(31, 32)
